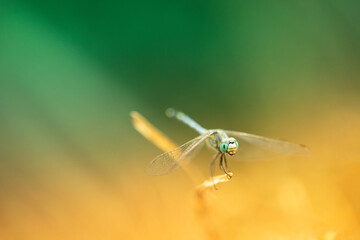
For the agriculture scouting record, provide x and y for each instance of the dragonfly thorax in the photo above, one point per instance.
(229, 145)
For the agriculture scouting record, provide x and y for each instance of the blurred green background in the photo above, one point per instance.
(71, 71)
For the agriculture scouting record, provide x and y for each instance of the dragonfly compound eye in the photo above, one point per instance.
(224, 147)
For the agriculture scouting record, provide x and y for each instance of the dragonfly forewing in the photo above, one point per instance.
(169, 161)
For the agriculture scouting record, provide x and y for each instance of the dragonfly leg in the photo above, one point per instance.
(212, 169)
(221, 163)
(225, 167)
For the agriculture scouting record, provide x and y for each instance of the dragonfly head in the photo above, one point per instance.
(229, 145)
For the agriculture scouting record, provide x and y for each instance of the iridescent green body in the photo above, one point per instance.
(216, 138)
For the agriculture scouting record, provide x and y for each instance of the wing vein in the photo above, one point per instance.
(169, 161)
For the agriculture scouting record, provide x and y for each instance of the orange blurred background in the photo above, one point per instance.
(73, 166)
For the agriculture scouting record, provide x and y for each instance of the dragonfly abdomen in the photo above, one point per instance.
(182, 117)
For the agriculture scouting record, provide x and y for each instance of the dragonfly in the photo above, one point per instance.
(239, 145)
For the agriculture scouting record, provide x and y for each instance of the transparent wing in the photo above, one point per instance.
(169, 161)
(256, 147)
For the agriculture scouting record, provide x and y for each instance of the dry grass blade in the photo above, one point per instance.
(209, 184)
(145, 128)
